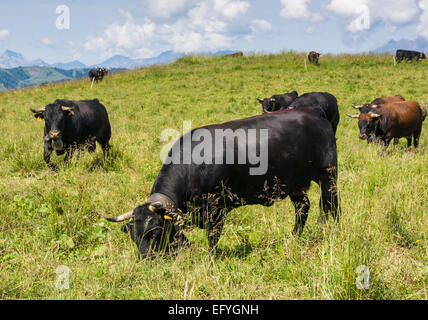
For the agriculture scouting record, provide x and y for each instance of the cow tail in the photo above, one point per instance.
(424, 111)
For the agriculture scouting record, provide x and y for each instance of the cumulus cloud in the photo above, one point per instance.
(3, 33)
(183, 25)
(362, 14)
(125, 38)
(298, 9)
(46, 42)
(422, 26)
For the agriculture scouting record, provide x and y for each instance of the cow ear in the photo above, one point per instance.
(38, 114)
(155, 206)
(68, 110)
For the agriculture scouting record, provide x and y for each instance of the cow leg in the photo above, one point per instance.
(69, 153)
(409, 141)
(329, 195)
(47, 155)
(396, 140)
(386, 142)
(416, 136)
(301, 207)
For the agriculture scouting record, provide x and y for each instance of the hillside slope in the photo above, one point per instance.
(52, 219)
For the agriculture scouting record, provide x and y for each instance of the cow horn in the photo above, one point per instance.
(374, 106)
(374, 115)
(356, 107)
(69, 109)
(38, 110)
(260, 100)
(122, 217)
(272, 100)
(353, 116)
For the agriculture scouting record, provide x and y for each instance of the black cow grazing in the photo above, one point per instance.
(392, 120)
(299, 146)
(408, 55)
(325, 100)
(98, 74)
(313, 57)
(74, 124)
(278, 101)
(368, 107)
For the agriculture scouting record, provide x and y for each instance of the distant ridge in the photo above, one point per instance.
(419, 44)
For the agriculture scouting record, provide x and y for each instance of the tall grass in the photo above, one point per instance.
(51, 218)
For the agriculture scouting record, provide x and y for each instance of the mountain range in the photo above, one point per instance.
(10, 59)
(419, 44)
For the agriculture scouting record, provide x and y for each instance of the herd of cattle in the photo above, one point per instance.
(301, 144)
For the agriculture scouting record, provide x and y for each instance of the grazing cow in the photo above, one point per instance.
(73, 124)
(392, 120)
(313, 57)
(409, 55)
(325, 100)
(234, 55)
(277, 102)
(98, 74)
(300, 147)
(368, 107)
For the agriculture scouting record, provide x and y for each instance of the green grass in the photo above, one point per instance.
(50, 218)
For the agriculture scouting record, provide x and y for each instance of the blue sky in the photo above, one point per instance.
(142, 28)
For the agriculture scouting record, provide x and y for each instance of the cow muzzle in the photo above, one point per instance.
(363, 136)
(54, 134)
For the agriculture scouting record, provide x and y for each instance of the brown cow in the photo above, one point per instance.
(313, 57)
(392, 120)
(236, 54)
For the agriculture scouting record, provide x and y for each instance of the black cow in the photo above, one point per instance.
(97, 74)
(409, 55)
(74, 124)
(325, 100)
(299, 147)
(313, 57)
(277, 101)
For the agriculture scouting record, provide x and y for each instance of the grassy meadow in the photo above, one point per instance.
(51, 219)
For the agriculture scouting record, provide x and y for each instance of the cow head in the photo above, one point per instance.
(152, 228)
(54, 116)
(367, 122)
(272, 104)
(422, 56)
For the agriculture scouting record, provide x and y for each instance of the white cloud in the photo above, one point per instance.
(298, 9)
(308, 30)
(46, 41)
(422, 27)
(3, 33)
(183, 25)
(388, 12)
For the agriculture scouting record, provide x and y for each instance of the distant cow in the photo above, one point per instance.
(236, 54)
(300, 148)
(72, 124)
(409, 55)
(368, 107)
(392, 120)
(313, 57)
(277, 102)
(98, 74)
